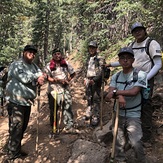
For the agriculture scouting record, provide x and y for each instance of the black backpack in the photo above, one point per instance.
(135, 79)
(105, 69)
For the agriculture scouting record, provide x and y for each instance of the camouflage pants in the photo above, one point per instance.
(18, 121)
(65, 100)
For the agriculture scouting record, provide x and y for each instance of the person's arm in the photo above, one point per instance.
(111, 94)
(71, 71)
(17, 71)
(157, 66)
(71, 76)
(113, 64)
(130, 92)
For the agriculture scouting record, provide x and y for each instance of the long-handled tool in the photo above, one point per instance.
(102, 100)
(1, 108)
(115, 132)
(38, 107)
(55, 112)
(61, 113)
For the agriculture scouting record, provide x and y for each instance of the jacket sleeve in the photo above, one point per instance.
(18, 71)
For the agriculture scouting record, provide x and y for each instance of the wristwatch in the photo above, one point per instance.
(114, 92)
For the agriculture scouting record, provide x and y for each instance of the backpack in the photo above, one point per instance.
(105, 69)
(144, 92)
(3, 76)
(135, 79)
(146, 49)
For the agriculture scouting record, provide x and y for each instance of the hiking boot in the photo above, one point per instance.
(70, 130)
(86, 118)
(9, 160)
(94, 121)
(23, 153)
(88, 112)
(16, 160)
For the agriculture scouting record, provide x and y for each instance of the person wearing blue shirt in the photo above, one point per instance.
(126, 87)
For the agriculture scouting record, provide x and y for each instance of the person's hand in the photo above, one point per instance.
(108, 65)
(41, 80)
(86, 82)
(91, 82)
(108, 96)
(45, 75)
(62, 81)
(122, 102)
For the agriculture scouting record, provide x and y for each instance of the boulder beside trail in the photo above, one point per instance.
(88, 152)
(101, 136)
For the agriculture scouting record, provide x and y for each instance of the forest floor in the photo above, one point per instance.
(58, 149)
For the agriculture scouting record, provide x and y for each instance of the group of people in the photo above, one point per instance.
(126, 88)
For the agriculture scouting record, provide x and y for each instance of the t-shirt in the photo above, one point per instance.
(142, 59)
(133, 103)
(60, 73)
(91, 71)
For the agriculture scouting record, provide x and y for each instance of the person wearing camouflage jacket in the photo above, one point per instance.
(23, 78)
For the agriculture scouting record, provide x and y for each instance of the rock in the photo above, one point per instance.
(88, 152)
(101, 135)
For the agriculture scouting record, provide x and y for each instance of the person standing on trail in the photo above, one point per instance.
(60, 73)
(3, 81)
(23, 78)
(93, 83)
(126, 86)
(148, 59)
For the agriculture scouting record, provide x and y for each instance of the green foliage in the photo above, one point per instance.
(71, 24)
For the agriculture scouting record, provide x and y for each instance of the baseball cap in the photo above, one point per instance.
(137, 25)
(93, 43)
(56, 50)
(126, 50)
(30, 47)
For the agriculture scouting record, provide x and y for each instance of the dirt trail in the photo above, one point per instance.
(58, 149)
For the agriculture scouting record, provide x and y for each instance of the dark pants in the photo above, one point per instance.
(146, 114)
(18, 122)
(93, 95)
(66, 108)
